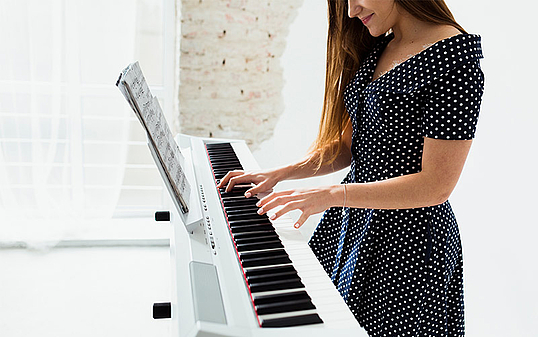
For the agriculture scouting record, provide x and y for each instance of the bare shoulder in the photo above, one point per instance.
(442, 32)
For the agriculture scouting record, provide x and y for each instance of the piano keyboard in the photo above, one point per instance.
(239, 274)
(273, 282)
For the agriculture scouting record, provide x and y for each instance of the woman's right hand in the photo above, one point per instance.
(263, 181)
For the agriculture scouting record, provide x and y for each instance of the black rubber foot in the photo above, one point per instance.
(162, 310)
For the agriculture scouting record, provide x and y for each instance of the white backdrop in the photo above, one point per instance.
(495, 198)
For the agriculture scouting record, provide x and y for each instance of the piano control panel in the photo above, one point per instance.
(208, 230)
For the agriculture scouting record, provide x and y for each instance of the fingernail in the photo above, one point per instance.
(260, 211)
(248, 194)
(272, 217)
(258, 203)
(296, 225)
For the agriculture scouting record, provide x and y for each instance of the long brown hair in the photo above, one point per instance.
(348, 44)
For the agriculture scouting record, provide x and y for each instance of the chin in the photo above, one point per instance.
(376, 32)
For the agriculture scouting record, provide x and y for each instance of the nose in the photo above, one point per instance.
(353, 8)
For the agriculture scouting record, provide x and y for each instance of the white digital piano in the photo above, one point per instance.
(236, 273)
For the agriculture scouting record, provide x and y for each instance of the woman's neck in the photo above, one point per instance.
(409, 30)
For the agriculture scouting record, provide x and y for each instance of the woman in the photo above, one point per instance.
(403, 92)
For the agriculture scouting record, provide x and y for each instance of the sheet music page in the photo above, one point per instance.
(134, 87)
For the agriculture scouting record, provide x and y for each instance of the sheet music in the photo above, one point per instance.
(134, 87)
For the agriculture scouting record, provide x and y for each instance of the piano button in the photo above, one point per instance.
(265, 261)
(291, 321)
(243, 247)
(290, 306)
(276, 285)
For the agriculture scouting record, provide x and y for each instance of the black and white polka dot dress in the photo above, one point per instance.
(401, 271)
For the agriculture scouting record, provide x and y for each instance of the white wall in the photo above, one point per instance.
(496, 196)
(303, 62)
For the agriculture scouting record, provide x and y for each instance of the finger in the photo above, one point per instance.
(270, 197)
(237, 180)
(260, 188)
(227, 177)
(287, 208)
(302, 219)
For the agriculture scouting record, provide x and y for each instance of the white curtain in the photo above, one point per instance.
(63, 127)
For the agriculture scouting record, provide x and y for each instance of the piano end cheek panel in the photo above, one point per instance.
(208, 304)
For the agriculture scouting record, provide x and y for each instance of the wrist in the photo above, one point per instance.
(338, 195)
(286, 172)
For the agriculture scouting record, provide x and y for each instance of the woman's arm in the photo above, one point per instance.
(308, 166)
(265, 180)
(442, 163)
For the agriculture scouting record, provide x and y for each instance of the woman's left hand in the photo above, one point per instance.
(309, 201)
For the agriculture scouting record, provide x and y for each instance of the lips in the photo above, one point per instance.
(367, 18)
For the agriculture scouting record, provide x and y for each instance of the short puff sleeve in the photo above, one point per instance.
(452, 103)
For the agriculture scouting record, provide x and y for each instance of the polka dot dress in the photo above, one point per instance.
(401, 271)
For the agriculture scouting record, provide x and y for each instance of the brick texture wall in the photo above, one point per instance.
(230, 75)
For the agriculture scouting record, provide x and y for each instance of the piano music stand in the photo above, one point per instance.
(193, 217)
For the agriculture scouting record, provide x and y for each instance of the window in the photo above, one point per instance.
(70, 147)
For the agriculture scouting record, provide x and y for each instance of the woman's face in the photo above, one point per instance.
(377, 15)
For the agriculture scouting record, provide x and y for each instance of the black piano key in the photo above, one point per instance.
(251, 216)
(269, 270)
(251, 228)
(222, 153)
(254, 234)
(276, 308)
(236, 188)
(291, 321)
(281, 297)
(272, 276)
(265, 261)
(223, 170)
(233, 194)
(253, 222)
(243, 247)
(294, 283)
(269, 253)
(224, 162)
(258, 239)
(238, 202)
(241, 210)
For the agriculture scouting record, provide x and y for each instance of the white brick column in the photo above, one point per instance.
(230, 75)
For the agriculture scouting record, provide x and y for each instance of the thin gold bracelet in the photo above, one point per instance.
(345, 195)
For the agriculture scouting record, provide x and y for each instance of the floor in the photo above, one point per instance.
(97, 291)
